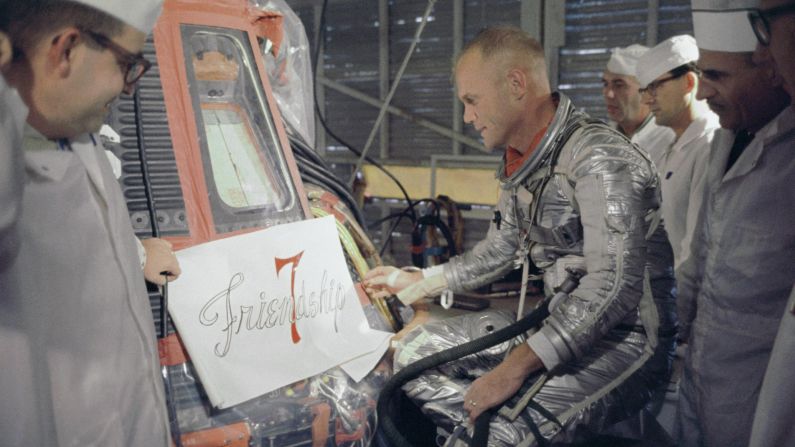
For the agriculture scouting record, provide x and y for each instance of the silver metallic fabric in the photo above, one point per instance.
(612, 338)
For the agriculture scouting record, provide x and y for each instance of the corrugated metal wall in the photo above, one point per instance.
(351, 48)
(593, 27)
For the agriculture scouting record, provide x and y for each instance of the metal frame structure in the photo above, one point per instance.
(543, 19)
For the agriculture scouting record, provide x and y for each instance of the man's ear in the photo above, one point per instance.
(5, 50)
(690, 77)
(517, 82)
(61, 51)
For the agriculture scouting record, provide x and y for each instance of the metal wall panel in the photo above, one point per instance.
(593, 27)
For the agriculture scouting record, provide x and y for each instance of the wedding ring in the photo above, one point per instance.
(473, 403)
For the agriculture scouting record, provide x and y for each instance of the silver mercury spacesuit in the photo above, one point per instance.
(607, 346)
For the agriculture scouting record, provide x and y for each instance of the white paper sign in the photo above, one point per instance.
(263, 310)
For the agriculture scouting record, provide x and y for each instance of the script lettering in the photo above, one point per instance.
(226, 294)
(266, 312)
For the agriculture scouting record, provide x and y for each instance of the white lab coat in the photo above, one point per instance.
(653, 139)
(682, 173)
(773, 419)
(736, 283)
(12, 120)
(77, 342)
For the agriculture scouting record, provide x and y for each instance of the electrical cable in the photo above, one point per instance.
(400, 215)
(318, 39)
(378, 222)
(313, 174)
(393, 88)
(347, 242)
(307, 155)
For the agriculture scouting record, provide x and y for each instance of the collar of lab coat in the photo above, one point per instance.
(42, 156)
(779, 127)
(44, 159)
(701, 125)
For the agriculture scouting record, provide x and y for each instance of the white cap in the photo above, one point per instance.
(667, 55)
(140, 14)
(624, 60)
(722, 25)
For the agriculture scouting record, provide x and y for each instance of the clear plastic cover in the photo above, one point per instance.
(290, 71)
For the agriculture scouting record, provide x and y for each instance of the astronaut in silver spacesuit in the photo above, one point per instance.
(575, 194)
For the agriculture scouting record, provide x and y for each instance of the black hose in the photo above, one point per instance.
(481, 436)
(392, 230)
(150, 204)
(314, 175)
(385, 405)
(305, 149)
(320, 173)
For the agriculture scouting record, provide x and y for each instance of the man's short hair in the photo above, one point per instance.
(683, 69)
(27, 21)
(507, 43)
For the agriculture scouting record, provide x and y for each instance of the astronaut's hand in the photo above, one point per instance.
(425, 288)
(382, 282)
(498, 385)
(159, 259)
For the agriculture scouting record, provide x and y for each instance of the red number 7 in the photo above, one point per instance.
(281, 262)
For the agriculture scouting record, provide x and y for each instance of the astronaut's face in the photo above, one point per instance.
(483, 91)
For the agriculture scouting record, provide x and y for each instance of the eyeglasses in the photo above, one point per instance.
(760, 20)
(133, 65)
(651, 89)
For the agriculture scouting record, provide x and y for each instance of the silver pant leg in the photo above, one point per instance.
(610, 383)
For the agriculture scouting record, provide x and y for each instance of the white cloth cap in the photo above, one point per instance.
(140, 14)
(722, 25)
(667, 55)
(624, 60)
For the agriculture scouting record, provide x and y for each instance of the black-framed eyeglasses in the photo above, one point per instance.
(133, 65)
(760, 20)
(651, 89)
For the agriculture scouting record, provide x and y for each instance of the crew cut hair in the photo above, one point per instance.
(506, 44)
(28, 21)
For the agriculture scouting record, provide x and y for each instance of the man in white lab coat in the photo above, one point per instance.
(735, 283)
(80, 362)
(629, 114)
(669, 81)
(12, 120)
(774, 26)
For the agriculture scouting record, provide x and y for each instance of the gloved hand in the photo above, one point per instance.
(382, 282)
(428, 287)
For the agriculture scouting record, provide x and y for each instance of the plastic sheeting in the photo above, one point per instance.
(289, 67)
